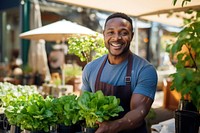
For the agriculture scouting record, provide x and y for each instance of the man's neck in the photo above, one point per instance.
(117, 59)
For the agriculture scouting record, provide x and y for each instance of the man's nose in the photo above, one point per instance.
(117, 36)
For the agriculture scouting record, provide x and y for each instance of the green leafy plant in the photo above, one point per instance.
(10, 92)
(97, 107)
(72, 71)
(87, 48)
(26, 108)
(186, 79)
(66, 109)
(32, 112)
(10, 99)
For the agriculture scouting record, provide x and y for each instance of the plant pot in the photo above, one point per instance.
(186, 105)
(65, 129)
(69, 129)
(15, 129)
(52, 129)
(88, 130)
(5, 124)
(186, 121)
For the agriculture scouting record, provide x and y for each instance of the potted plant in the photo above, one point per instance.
(186, 80)
(11, 102)
(33, 113)
(66, 109)
(95, 107)
(87, 48)
(72, 71)
(73, 75)
(10, 92)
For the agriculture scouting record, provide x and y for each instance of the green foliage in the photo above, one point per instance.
(184, 2)
(151, 115)
(72, 70)
(10, 92)
(26, 108)
(186, 80)
(32, 112)
(87, 48)
(97, 107)
(66, 108)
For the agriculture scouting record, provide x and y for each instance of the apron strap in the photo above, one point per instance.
(99, 73)
(128, 71)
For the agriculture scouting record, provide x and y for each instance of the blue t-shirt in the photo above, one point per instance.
(143, 75)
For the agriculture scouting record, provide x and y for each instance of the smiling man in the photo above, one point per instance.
(123, 74)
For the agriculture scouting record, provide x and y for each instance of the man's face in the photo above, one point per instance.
(117, 36)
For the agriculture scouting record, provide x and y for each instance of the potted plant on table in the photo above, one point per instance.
(186, 80)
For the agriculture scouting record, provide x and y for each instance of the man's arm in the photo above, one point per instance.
(140, 106)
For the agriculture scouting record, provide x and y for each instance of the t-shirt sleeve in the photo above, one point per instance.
(147, 82)
(85, 79)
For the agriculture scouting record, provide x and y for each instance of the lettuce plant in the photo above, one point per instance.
(31, 112)
(95, 107)
(10, 92)
(66, 109)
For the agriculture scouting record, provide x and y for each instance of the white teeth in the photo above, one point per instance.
(116, 44)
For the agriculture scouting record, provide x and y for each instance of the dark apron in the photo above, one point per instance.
(122, 92)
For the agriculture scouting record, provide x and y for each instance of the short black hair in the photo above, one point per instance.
(120, 15)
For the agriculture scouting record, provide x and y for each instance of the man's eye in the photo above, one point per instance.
(124, 33)
(110, 32)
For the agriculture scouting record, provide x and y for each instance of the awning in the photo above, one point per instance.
(143, 9)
